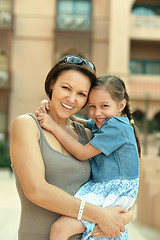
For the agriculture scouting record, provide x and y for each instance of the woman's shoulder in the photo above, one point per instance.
(23, 119)
(24, 123)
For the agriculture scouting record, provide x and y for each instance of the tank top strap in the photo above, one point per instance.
(38, 125)
(81, 132)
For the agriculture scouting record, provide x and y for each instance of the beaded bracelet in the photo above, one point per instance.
(81, 210)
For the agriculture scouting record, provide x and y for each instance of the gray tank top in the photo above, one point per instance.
(63, 171)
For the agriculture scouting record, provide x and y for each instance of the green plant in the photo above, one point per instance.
(4, 154)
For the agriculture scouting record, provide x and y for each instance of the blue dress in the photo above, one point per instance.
(115, 171)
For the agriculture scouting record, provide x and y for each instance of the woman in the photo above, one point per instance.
(46, 175)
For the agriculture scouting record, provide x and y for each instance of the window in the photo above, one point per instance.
(74, 14)
(146, 10)
(5, 14)
(145, 67)
(3, 69)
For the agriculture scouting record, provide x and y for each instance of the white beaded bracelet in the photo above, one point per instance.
(81, 210)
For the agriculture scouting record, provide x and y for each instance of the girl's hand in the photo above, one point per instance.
(46, 121)
(110, 221)
(43, 108)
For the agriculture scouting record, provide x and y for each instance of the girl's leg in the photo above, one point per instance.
(66, 227)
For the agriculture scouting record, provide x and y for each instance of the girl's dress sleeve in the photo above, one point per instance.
(108, 138)
(90, 124)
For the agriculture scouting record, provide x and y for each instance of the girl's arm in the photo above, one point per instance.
(75, 148)
(28, 164)
(45, 107)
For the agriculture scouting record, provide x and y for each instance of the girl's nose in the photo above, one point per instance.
(97, 112)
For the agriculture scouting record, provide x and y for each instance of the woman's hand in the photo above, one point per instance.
(97, 232)
(43, 108)
(127, 217)
(46, 121)
(110, 221)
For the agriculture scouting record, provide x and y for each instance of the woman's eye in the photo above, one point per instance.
(65, 87)
(82, 94)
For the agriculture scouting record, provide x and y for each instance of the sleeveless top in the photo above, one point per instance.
(65, 172)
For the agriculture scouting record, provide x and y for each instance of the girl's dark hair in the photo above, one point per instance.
(62, 66)
(117, 89)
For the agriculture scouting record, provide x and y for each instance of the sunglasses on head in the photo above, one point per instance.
(79, 60)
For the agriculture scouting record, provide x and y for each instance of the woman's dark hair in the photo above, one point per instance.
(117, 89)
(62, 66)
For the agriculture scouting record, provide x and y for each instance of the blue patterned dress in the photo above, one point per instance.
(115, 171)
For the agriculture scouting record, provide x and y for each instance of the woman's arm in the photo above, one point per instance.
(28, 163)
(75, 148)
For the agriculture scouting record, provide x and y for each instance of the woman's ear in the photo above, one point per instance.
(122, 105)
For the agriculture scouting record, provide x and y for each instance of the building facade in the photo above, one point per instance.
(121, 37)
(6, 27)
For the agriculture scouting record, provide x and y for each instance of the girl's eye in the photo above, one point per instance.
(105, 105)
(91, 106)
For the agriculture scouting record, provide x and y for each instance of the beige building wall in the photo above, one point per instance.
(100, 34)
(119, 37)
(32, 53)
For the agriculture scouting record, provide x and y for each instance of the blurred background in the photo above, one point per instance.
(121, 38)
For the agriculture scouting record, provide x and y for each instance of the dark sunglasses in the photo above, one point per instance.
(79, 60)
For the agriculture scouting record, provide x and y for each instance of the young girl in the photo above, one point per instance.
(114, 148)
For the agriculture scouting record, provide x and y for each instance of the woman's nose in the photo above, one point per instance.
(72, 97)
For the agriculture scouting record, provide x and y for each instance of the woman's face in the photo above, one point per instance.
(69, 93)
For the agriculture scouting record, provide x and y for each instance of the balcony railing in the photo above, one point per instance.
(73, 22)
(145, 27)
(147, 22)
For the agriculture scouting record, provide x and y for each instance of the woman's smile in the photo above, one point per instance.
(66, 106)
(69, 94)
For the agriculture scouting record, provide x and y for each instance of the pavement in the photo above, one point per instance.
(10, 213)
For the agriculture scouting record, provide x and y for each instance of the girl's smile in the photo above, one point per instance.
(102, 106)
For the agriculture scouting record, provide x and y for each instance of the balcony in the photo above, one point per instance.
(70, 22)
(145, 28)
(140, 85)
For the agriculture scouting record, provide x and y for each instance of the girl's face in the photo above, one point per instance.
(102, 106)
(69, 93)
